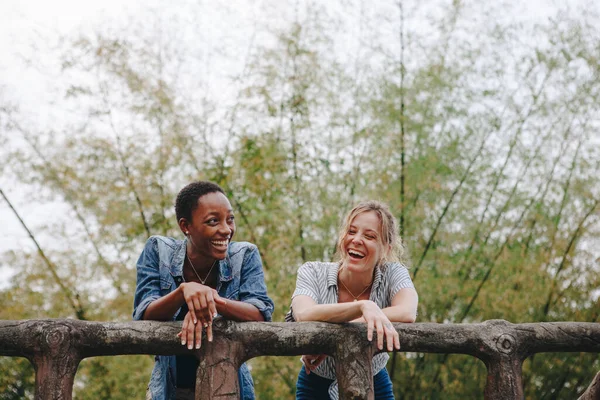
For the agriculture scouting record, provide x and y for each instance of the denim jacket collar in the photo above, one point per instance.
(176, 265)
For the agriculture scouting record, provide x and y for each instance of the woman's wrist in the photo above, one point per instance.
(180, 290)
(362, 304)
(220, 308)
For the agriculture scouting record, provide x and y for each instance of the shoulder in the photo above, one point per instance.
(394, 268)
(161, 246)
(236, 248)
(157, 240)
(397, 276)
(317, 268)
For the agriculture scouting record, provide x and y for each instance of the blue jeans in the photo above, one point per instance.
(315, 387)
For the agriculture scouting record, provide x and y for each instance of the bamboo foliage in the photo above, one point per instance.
(483, 143)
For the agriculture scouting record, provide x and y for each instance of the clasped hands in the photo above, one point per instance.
(376, 320)
(202, 303)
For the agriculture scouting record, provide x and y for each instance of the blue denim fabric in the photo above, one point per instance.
(315, 387)
(160, 271)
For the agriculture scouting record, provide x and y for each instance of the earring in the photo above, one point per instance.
(187, 233)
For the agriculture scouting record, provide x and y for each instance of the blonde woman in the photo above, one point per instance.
(368, 284)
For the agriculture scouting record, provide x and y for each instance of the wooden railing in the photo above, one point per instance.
(55, 348)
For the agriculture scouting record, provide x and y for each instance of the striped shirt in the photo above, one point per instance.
(318, 280)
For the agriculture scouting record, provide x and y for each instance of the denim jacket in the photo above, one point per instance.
(160, 271)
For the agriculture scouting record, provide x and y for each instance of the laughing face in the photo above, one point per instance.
(361, 246)
(212, 227)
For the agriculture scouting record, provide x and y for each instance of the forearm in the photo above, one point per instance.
(164, 308)
(400, 314)
(239, 311)
(404, 306)
(340, 312)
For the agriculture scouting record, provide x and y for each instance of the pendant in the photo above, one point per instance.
(355, 299)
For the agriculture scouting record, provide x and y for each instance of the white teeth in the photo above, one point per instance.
(220, 242)
(356, 253)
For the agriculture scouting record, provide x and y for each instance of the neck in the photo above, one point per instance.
(200, 261)
(356, 281)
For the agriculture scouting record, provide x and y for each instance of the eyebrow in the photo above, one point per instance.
(368, 230)
(229, 211)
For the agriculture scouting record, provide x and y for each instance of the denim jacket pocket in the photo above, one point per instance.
(166, 280)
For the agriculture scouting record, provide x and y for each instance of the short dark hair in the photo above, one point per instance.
(187, 199)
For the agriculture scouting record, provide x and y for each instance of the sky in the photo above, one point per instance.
(22, 23)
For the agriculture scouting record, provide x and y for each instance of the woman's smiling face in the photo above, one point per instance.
(362, 243)
(212, 226)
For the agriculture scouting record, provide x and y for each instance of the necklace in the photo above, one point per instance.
(196, 272)
(348, 290)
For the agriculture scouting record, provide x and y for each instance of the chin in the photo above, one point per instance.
(353, 265)
(220, 255)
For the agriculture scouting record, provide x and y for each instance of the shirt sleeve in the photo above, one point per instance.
(148, 279)
(399, 278)
(307, 282)
(253, 289)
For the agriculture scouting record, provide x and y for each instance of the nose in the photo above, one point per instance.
(356, 239)
(225, 229)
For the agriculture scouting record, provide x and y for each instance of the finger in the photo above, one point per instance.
(397, 341)
(389, 336)
(320, 358)
(190, 335)
(379, 335)
(219, 299)
(209, 332)
(198, 334)
(370, 330)
(308, 361)
(205, 314)
(192, 310)
(197, 306)
(202, 320)
(213, 311)
(210, 306)
(203, 303)
(183, 331)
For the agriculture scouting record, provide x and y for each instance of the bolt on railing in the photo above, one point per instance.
(56, 346)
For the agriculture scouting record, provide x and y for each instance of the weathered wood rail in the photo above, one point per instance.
(55, 348)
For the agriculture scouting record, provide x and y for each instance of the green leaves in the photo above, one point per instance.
(483, 142)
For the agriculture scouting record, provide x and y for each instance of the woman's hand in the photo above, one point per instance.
(202, 304)
(376, 319)
(312, 361)
(191, 332)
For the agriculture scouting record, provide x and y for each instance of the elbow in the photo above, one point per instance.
(407, 318)
(299, 316)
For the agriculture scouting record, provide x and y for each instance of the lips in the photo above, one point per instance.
(355, 254)
(220, 244)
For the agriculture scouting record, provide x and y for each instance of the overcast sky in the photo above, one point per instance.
(22, 22)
